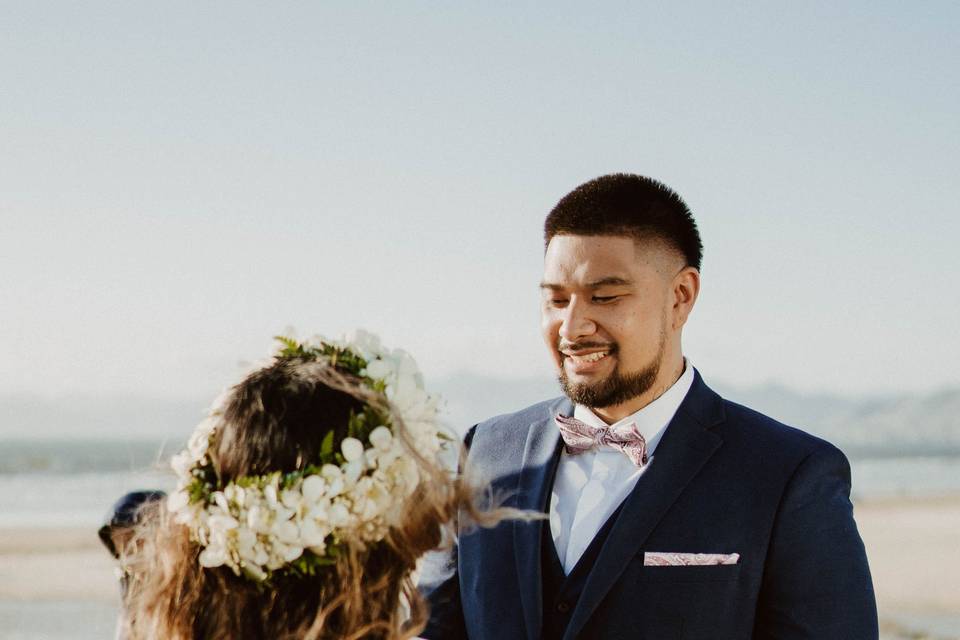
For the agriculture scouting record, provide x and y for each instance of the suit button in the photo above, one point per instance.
(563, 607)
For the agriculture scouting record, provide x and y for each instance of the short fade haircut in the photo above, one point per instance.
(623, 204)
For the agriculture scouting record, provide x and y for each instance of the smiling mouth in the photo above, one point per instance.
(586, 354)
(587, 358)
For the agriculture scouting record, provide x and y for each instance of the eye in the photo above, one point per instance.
(557, 302)
(605, 299)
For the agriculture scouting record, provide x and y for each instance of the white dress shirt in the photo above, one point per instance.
(590, 486)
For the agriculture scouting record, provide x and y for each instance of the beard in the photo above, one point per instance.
(618, 387)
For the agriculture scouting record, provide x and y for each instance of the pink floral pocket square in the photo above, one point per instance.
(667, 559)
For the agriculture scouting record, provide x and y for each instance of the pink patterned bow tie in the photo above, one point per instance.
(579, 437)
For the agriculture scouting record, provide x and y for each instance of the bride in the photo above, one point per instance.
(303, 503)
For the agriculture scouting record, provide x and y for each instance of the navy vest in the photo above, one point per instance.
(561, 591)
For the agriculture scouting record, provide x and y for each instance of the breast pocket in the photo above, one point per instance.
(683, 574)
(703, 597)
(690, 602)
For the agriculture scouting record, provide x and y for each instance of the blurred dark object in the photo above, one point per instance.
(123, 516)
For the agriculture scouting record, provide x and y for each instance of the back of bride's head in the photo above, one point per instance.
(304, 502)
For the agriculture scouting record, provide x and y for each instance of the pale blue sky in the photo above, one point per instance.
(181, 180)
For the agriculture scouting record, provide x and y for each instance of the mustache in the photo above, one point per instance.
(578, 346)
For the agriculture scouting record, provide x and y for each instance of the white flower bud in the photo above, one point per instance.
(234, 493)
(312, 489)
(258, 519)
(351, 448)
(370, 509)
(181, 464)
(330, 472)
(364, 342)
(353, 470)
(286, 532)
(177, 501)
(246, 540)
(381, 438)
(200, 439)
(336, 487)
(291, 553)
(311, 534)
(220, 524)
(291, 499)
(270, 493)
(213, 556)
(221, 501)
(339, 515)
(378, 370)
(254, 572)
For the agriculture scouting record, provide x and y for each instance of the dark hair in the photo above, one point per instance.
(624, 204)
(279, 415)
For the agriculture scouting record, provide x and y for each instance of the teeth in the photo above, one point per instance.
(591, 357)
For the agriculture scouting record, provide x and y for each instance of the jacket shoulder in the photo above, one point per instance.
(769, 435)
(533, 413)
(502, 437)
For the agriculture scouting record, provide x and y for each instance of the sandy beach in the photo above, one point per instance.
(914, 555)
(911, 545)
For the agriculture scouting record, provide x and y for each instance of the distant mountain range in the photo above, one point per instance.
(863, 426)
(125, 417)
(927, 424)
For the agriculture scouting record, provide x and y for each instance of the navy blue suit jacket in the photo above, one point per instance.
(724, 479)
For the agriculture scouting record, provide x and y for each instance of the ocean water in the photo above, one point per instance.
(74, 483)
(905, 476)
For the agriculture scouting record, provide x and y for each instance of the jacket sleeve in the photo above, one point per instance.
(446, 613)
(816, 581)
(446, 610)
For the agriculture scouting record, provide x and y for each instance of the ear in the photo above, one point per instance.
(686, 287)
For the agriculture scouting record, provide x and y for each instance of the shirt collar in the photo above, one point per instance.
(651, 420)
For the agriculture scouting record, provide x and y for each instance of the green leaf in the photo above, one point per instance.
(291, 348)
(326, 446)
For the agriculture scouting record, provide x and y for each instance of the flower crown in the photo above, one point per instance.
(297, 522)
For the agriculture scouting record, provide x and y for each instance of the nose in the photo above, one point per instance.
(575, 323)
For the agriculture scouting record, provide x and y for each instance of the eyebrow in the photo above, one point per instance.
(610, 281)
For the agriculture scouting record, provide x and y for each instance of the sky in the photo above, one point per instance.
(181, 181)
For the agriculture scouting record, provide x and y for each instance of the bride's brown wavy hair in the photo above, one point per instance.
(275, 420)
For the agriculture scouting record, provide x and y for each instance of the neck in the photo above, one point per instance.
(667, 378)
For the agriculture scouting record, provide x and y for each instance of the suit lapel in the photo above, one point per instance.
(540, 458)
(685, 448)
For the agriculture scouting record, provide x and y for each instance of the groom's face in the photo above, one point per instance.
(605, 314)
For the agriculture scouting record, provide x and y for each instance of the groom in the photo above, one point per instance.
(673, 513)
